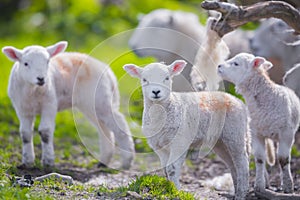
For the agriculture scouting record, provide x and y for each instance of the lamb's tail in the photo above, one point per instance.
(212, 52)
(270, 150)
(248, 143)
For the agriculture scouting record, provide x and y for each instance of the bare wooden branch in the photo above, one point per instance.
(56, 176)
(295, 3)
(234, 16)
(268, 194)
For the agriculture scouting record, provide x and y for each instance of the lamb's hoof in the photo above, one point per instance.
(194, 155)
(259, 189)
(48, 167)
(25, 166)
(288, 190)
(101, 165)
(126, 164)
(49, 163)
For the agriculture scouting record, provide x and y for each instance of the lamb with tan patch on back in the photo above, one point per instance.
(176, 122)
(274, 112)
(44, 80)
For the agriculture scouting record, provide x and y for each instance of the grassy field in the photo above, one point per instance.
(102, 31)
(91, 28)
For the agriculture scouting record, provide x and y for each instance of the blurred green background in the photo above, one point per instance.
(90, 26)
(84, 24)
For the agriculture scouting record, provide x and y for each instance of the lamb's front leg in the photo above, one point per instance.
(46, 130)
(26, 130)
(173, 168)
(163, 155)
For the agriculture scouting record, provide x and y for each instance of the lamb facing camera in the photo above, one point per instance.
(274, 112)
(45, 80)
(176, 122)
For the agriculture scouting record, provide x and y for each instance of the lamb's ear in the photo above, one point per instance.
(176, 67)
(133, 70)
(12, 53)
(267, 65)
(57, 48)
(259, 61)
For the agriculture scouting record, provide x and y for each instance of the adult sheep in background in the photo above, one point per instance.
(44, 80)
(275, 40)
(169, 35)
(292, 79)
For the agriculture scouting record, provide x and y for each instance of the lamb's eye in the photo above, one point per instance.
(26, 64)
(167, 78)
(235, 64)
(144, 80)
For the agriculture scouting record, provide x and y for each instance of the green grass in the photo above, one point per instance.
(86, 29)
(150, 187)
(86, 26)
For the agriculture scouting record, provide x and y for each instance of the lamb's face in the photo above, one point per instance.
(152, 36)
(161, 34)
(156, 82)
(33, 65)
(271, 37)
(240, 67)
(34, 61)
(156, 78)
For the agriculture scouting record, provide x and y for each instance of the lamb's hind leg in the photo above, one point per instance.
(105, 138)
(239, 157)
(26, 132)
(115, 121)
(284, 158)
(221, 150)
(107, 144)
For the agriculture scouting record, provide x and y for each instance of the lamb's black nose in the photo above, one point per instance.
(41, 81)
(156, 92)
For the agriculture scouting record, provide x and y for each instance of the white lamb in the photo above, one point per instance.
(45, 80)
(169, 35)
(292, 79)
(174, 122)
(274, 112)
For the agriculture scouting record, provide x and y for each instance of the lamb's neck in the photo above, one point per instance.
(256, 87)
(148, 104)
(195, 31)
(289, 58)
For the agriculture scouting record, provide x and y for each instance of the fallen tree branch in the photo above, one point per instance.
(295, 3)
(27, 180)
(57, 177)
(234, 16)
(268, 194)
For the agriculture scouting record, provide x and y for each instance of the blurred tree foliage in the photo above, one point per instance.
(80, 22)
